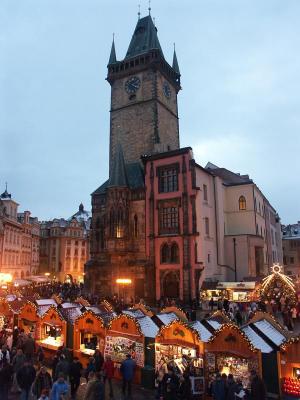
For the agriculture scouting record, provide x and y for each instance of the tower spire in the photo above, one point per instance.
(139, 12)
(112, 57)
(149, 8)
(175, 65)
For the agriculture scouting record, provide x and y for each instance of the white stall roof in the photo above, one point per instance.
(134, 313)
(272, 333)
(215, 324)
(43, 309)
(257, 341)
(148, 327)
(70, 305)
(204, 333)
(45, 302)
(167, 318)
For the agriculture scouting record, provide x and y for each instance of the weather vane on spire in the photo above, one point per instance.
(6, 186)
(139, 12)
(149, 8)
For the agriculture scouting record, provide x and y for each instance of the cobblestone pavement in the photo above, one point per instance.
(138, 393)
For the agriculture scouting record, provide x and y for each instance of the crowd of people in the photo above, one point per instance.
(241, 312)
(226, 388)
(25, 372)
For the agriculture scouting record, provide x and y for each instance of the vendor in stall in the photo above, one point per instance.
(179, 346)
(52, 330)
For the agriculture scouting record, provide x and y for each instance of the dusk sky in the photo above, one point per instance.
(239, 107)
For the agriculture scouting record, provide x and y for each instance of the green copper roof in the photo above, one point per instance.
(112, 57)
(144, 38)
(175, 65)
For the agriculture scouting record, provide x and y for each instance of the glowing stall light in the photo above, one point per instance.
(123, 281)
(5, 278)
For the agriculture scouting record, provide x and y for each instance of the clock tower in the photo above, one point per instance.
(144, 88)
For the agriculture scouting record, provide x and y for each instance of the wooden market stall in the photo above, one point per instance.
(126, 334)
(289, 361)
(179, 345)
(6, 314)
(29, 318)
(88, 336)
(229, 350)
(52, 330)
(180, 314)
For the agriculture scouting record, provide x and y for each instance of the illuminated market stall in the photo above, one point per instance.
(230, 351)
(129, 335)
(29, 318)
(52, 329)
(6, 314)
(233, 291)
(88, 335)
(180, 346)
(290, 368)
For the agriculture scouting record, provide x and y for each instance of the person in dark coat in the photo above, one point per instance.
(170, 385)
(75, 375)
(108, 373)
(127, 371)
(25, 379)
(29, 347)
(99, 360)
(231, 388)
(218, 388)
(6, 374)
(185, 390)
(258, 389)
(62, 367)
(43, 381)
(91, 367)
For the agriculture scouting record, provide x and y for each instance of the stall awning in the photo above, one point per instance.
(270, 332)
(256, 340)
(236, 285)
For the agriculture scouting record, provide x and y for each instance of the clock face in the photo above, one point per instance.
(132, 84)
(167, 90)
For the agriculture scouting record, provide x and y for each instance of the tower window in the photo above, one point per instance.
(242, 203)
(168, 179)
(164, 254)
(206, 222)
(169, 220)
(135, 226)
(205, 193)
(169, 253)
(174, 253)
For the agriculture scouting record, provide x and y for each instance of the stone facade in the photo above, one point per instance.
(162, 222)
(19, 239)
(64, 246)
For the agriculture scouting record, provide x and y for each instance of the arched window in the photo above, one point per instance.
(174, 253)
(242, 203)
(135, 226)
(164, 254)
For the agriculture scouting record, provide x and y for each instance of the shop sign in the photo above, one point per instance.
(197, 384)
(178, 332)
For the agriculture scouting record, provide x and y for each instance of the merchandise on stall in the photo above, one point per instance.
(179, 345)
(28, 318)
(230, 351)
(290, 367)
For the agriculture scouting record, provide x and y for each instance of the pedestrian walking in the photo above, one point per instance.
(75, 374)
(6, 374)
(127, 371)
(170, 385)
(99, 360)
(218, 388)
(95, 388)
(108, 373)
(60, 389)
(258, 390)
(25, 378)
(62, 367)
(42, 382)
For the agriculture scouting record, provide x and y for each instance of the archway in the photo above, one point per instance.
(170, 285)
